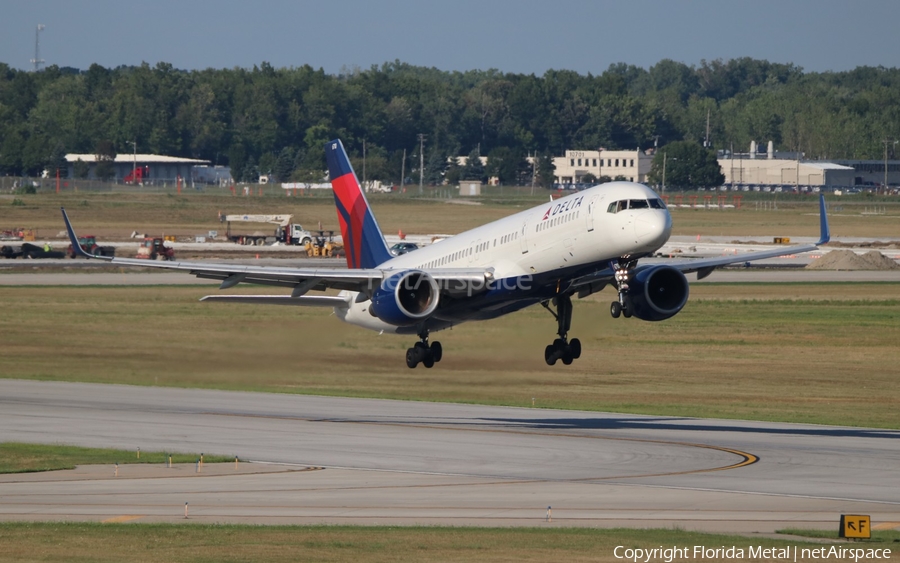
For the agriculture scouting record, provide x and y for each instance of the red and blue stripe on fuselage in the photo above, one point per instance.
(363, 242)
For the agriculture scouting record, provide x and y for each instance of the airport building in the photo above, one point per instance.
(872, 172)
(788, 169)
(148, 168)
(633, 165)
(781, 172)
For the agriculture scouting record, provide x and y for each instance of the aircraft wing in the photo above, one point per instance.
(594, 282)
(300, 280)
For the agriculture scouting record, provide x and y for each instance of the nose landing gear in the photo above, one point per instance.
(623, 272)
(562, 348)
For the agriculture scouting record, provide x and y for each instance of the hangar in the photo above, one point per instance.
(148, 168)
(773, 168)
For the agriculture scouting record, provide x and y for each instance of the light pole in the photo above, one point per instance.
(886, 143)
(665, 156)
(421, 161)
(134, 163)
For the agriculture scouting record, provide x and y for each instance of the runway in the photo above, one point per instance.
(364, 461)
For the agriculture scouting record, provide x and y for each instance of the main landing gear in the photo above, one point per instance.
(622, 307)
(562, 348)
(422, 352)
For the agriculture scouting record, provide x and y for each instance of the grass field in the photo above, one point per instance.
(25, 458)
(335, 544)
(824, 353)
(117, 215)
(877, 535)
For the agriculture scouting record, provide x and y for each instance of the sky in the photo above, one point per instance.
(522, 36)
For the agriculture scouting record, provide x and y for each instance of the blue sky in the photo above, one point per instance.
(525, 36)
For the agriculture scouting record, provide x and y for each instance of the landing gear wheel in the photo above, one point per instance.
(562, 349)
(422, 352)
(575, 348)
(550, 355)
(626, 312)
(437, 351)
(615, 309)
(412, 358)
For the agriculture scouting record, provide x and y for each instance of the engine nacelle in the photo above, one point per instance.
(405, 298)
(657, 293)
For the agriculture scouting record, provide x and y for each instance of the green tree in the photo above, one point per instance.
(11, 152)
(36, 154)
(105, 154)
(507, 164)
(474, 168)
(545, 170)
(57, 161)
(284, 164)
(453, 173)
(81, 169)
(687, 166)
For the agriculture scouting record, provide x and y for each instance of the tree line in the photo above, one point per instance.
(275, 121)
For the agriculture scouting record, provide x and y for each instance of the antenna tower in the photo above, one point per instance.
(37, 61)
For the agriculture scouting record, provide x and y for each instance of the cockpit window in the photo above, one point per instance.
(624, 204)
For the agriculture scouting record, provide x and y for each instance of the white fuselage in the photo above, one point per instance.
(570, 233)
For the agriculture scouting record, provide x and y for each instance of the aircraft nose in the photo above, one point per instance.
(653, 227)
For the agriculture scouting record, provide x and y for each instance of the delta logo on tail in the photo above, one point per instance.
(363, 241)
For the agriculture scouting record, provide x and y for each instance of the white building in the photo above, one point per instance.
(150, 168)
(633, 165)
(773, 169)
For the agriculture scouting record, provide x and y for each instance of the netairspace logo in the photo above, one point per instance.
(722, 553)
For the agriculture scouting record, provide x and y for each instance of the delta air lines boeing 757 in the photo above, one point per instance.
(548, 255)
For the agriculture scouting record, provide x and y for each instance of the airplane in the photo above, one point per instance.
(568, 248)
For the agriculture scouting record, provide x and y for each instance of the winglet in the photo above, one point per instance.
(73, 239)
(824, 230)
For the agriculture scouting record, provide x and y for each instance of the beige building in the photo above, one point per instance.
(783, 172)
(633, 165)
(772, 168)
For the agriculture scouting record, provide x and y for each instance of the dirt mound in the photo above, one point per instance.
(849, 260)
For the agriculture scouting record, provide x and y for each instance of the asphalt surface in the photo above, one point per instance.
(344, 460)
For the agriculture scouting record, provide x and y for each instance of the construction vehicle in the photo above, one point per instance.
(323, 246)
(89, 244)
(30, 251)
(18, 235)
(154, 248)
(286, 232)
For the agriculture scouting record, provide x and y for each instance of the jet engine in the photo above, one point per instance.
(405, 298)
(657, 293)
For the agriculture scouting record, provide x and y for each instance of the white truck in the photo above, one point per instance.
(286, 231)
